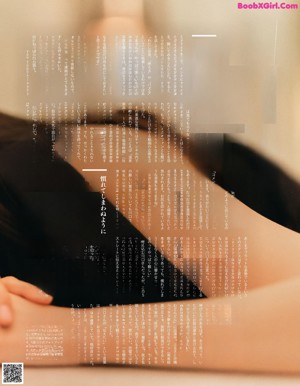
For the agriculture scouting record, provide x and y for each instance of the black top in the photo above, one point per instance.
(59, 246)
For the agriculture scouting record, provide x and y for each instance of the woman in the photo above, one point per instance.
(59, 243)
(219, 332)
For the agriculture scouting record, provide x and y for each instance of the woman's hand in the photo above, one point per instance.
(27, 317)
(11, 285)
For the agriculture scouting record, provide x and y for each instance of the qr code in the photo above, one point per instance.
(12, 373)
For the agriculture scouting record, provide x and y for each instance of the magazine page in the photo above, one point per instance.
(149, 189)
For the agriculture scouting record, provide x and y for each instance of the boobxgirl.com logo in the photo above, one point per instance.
(267, 5)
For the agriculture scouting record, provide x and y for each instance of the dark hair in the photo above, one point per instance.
(49, 233)
(11, 129)
(252, 178)
(14, 129)
(50, 238)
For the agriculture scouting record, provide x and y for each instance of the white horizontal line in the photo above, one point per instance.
(204, 36)
(94, 170)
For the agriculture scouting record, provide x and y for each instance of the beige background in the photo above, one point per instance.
(250, 43)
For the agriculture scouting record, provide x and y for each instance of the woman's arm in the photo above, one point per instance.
(257, 333)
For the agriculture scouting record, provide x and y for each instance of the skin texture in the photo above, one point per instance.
(11, 285)
(261, 337)
(255, 330)
(266, 240)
